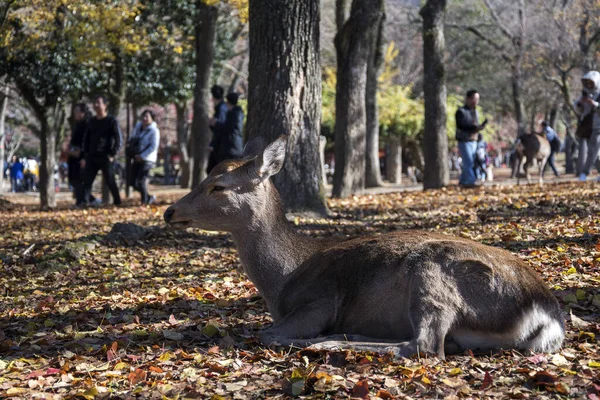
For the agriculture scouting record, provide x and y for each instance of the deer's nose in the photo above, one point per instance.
(169, 214)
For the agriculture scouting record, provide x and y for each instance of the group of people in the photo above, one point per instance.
(23, 174)
(227, 125)
(472, 148)
(96, 140)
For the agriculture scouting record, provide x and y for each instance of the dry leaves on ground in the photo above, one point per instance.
(170, 314)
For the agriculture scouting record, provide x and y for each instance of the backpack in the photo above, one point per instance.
(586, 125)
(134, 144)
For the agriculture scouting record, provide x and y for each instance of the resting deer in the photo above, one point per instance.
(404, 292)
(532, 146)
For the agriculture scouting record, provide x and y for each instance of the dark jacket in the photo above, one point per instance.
(228, 135)
(466, 125)
(102, 137)
(77, 135)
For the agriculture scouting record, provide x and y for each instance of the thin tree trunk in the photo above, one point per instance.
(553, 116)
(284, 94)
(204, 42)
(393, 160)
(352, 46)
(127, 159)
(3, 108)
(183, 143)
(372, 170)
(48, 155)
(435, 139)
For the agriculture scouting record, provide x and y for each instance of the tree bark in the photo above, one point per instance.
(517, 84)
(48, 154)
(372, 171)
(393, 160)
(284, 94)
(183, 144)
(204, 41)
(3, 107)
(352, 47)
(322, 145)
(435, 139)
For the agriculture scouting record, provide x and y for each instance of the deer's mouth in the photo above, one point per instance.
(179, 224)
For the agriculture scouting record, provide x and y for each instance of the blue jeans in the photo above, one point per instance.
(467, 152)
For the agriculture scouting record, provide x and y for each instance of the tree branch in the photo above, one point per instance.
(505, 55)
(496, 19)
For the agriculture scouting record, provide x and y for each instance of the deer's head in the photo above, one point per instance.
(235, 193)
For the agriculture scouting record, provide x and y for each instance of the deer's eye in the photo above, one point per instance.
(217, 189)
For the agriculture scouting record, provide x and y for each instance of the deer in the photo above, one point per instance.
(406, 292)
(532, 146)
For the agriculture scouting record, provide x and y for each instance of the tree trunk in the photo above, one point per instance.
(47, 163)
(393, 160)
(183, 144)
(553, 116)
(284, 95)
(204, 41)
(127, 159)
(352, 47)
(3, 108)
(517, 84)
(435, 139)
(372, 170)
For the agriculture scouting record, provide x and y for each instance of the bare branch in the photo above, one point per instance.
(496, 19)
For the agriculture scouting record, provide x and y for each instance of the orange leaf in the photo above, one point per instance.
(361, 389)
(156, 369)
(137, 376)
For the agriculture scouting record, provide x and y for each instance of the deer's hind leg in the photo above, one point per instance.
(526, 166)
(542, 165)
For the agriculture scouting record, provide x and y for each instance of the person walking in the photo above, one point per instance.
(554, 141)
(467, 128)
(587, 107)
(75, 156)
(228, 134)
(101, 142)
(16, 174)
(219, 116)
(142, 147)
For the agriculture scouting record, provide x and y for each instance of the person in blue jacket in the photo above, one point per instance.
(16, 174)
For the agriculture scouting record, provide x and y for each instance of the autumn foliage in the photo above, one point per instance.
(171, 313)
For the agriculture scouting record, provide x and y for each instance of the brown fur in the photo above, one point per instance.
(420, 290)
(532, 146)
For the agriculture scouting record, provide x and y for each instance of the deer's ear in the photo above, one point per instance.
(254, 147)
(270, 161)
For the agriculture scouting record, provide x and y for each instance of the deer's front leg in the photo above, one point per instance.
(305, 321)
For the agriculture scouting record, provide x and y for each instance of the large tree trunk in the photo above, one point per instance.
(435, 139)
(183, 144)
(3, 107)
(352, 44)
(372, 171)
(201, 135)
(284, 94)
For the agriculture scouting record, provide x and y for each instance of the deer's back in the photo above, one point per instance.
(372, 277)
(535, 146)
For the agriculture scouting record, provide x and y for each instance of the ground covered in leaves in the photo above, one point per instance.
(170, 314)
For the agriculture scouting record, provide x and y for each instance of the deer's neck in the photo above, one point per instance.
(270, 250)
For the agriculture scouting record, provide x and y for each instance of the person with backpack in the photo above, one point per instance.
(142, 148)
(554, 141)
(587, 107)
(101, 143)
